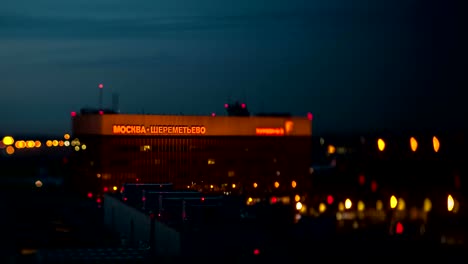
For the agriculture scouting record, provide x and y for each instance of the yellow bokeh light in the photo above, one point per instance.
(66, 143)
(10, 150)
(55, 143)
(20, 144)
(255, 185)
(49, 143)
(348, 204)
(413, 144)
(435, 144)
(450, 203)
(114, 188)
(30, 144)
(276, 184)
(297, 198)
(37, 144)
(322, 207)
(83, 147)
(66, 136)
(427, 205)
(331, 149)
(233, 185)
(211, 186)
(361, 206)
(294, 184)
(393, 202)
(381, 144)
(77, 148)
(249, 200)
(8, 140)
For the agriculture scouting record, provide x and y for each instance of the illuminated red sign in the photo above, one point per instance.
(269, 131)
(157, 129)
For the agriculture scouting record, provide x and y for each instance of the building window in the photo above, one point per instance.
(145, 148)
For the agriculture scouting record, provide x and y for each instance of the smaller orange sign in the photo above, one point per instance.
(269, 131)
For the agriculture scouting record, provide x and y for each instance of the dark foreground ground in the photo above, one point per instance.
(54, 227)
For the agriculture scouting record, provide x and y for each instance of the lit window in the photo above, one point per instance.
(145, 148)
(211, 161)
(231, 173)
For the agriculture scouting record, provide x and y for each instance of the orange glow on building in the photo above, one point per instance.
(275, 131)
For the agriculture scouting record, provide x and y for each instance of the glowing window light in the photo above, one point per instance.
(277, 184)
(361, 206)
(298, 205)
(348, 203)
(379, 205)
(55, 143)
(427, 205)
(8, 140)
(37, 144)
(255, 185)
(450, 203)
(294, 184)
(435, 144)
(401, 205)
(10, 150)
(393, 202)
(322, 207)
(297, 198)
(413, 144)
(381, 144)
(49, 143)
(341, 206)
(66, 136)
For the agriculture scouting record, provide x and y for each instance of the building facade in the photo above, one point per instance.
(228, 154)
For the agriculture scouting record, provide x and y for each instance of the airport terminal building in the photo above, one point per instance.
(217, 153)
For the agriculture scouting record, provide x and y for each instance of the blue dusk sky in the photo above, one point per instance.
(358, 66)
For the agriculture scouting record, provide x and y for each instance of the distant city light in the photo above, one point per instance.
(73, 114)
(8, 140)
(66, 136)
(348, 204)
(226, 105)
(293, 184)
(243, 105)
(10, 150)
(381, 144)
(393, 202)
(213, 114)
(101, 112)
(38, 184)
(310, 116)
(101, 86)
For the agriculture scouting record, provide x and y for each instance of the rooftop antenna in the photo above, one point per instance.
(101, 88)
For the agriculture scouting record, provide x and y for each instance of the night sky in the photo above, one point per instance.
(358, 66)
